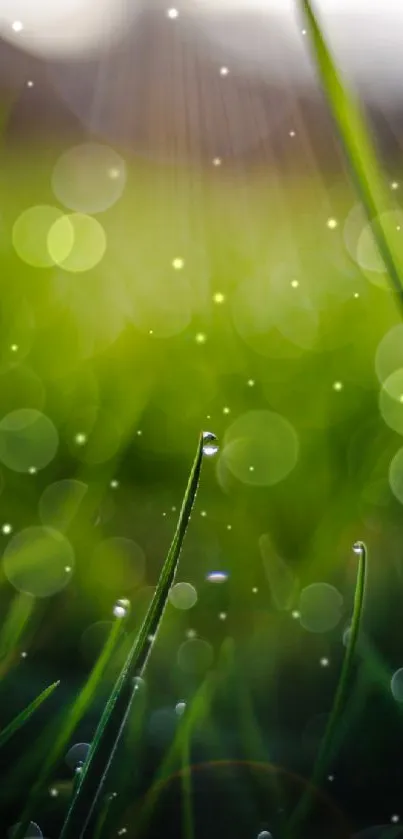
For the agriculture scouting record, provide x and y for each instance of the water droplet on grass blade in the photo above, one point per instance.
(359, 548)
(210, 446)
(121, 608)
(264, 834)
(217, 576)
(76, 756)
(180, 708)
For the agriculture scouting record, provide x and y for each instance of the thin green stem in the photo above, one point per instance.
(71, 720)
(118, 706)
(359, 151)
(327, 743)
(26, 714)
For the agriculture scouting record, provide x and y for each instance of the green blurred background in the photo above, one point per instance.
(199, 288)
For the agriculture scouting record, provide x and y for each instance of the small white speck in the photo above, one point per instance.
(6, 528)
(139, 432)
(190, 633)
(294, 283)
(219, 297)
(292, 133)
(173, 509)
(251, 468)
(395, 818)
(330, 778)
(251, 382)
(53, 792)
(114, 484)
(303, 31)
(394, 185)
(224, 71)
(332, 223)
(30, 83)
(295, 614)
(14, 348)
(200, 338)
(324, 662)
(178, 263)
(67, 569)
(226, 410)
(203, 513)
(80, 439)
(17, 26)
(172, 14)
(255, 590)
(32, 470)
(229, 526)
(337, 386)
(24, 654)
(356, 295)
(222, 616)
(151, 332)
(217, 161)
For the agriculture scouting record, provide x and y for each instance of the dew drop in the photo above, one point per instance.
(210, 446)
(264, 834)
(359, 548)
(6, 528)
(180, 708)
(53, 792)
(121, 608)
(217, 577)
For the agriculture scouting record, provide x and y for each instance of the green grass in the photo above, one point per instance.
(327, 743)
(118, 706)
(358, 147)
(26, 714)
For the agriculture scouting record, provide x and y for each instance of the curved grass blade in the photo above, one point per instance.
(358, 148)
(26, 714)
(69, 724)
(118, 706)
(327, 743)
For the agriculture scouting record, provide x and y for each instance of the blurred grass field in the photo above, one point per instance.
(223, 299)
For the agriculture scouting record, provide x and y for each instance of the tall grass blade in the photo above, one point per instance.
(327, 743)
(69, 724)
(26, 714)
(358, 148)
(17, 618)
(118, 707)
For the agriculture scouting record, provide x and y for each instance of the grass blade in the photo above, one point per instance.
(358, 148)
(75, 714)
(26, 714)
(303, 807)
(117, 708)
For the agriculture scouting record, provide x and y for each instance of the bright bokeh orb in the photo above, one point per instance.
(60, 501)
(396, 475)
(320, 606)
(38, 561)
(67, 27)
(89, 178)
(183, 596)
(391, 401)
(389, 353)
(30, 234)
(28, 440)
(77, 242)
(260, 448)
(396, 685)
